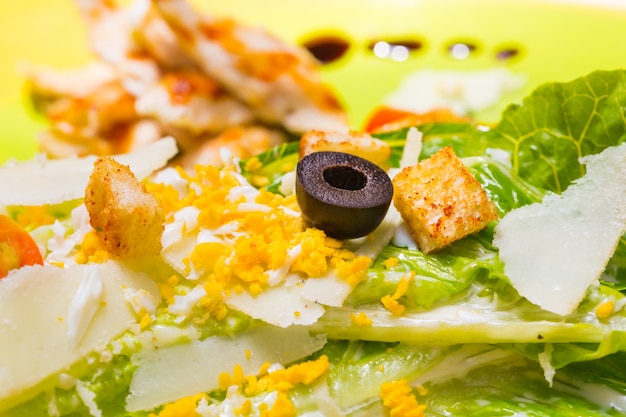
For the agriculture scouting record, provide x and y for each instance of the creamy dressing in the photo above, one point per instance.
(603, 396)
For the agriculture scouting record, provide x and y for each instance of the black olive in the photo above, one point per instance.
(344, 195)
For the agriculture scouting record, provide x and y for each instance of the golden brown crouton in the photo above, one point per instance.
(355, 143)
(127, 217)
(441, 201)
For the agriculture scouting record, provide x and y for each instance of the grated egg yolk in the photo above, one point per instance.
(605, 309)
(33, 216)
(390, 302)
(391, 262)
(256, 238)
(281, 381)
(360, 319)
(185, 407)
(398, 397)
(92, 249)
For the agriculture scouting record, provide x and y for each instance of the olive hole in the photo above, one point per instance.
(345, 178)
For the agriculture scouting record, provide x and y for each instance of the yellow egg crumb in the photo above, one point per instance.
(391, 262)
(253, 164)
(185, 407)
(224, 380)
(30, 217)
(145, 321)
(167, 292)
(390, 302)
(282, 407)
(245, 408)
(265, 233)
(281, 381)
(264, 368)
(398, 398)
(360, 319)
(605, 309)
(92, 249)
(421, 390)
(287, 167)
(259, 180)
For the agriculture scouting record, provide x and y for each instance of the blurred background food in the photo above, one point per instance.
(473, 57)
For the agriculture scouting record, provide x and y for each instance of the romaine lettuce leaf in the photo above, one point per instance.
(472, 380)
(548, 132)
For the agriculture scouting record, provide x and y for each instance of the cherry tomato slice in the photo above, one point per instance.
(17, 247)
(387, 118)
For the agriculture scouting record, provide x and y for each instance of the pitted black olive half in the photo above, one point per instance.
(344, 195)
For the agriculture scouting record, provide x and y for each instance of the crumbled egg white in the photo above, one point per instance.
(140, 300)
(236, 239)
(185, 220)
(172, 177)
(265, 395)
(67, 236)
(183, 304)
(88, 398)
(84, 304)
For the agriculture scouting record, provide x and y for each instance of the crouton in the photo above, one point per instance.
(355, 143)
(127, 217)
(441, 201)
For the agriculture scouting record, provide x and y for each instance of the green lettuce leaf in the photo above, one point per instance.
(558, 123)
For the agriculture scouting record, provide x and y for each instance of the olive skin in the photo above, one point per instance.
(342, 194)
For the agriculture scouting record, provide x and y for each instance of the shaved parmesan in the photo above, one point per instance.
(58, 180)
(281, 306)
(35, 307)
(167, 374)
(330, 290)
(553, 251)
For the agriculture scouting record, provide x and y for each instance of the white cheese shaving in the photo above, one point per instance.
(329, 290)
(554, 250)
(281, 306)
(85, 303)
(167, 374)
(34, 306)
(59, 180)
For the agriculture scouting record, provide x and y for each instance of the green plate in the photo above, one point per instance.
(535, 41)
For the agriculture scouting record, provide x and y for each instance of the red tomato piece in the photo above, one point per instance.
(387, 118)
(17, 247)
